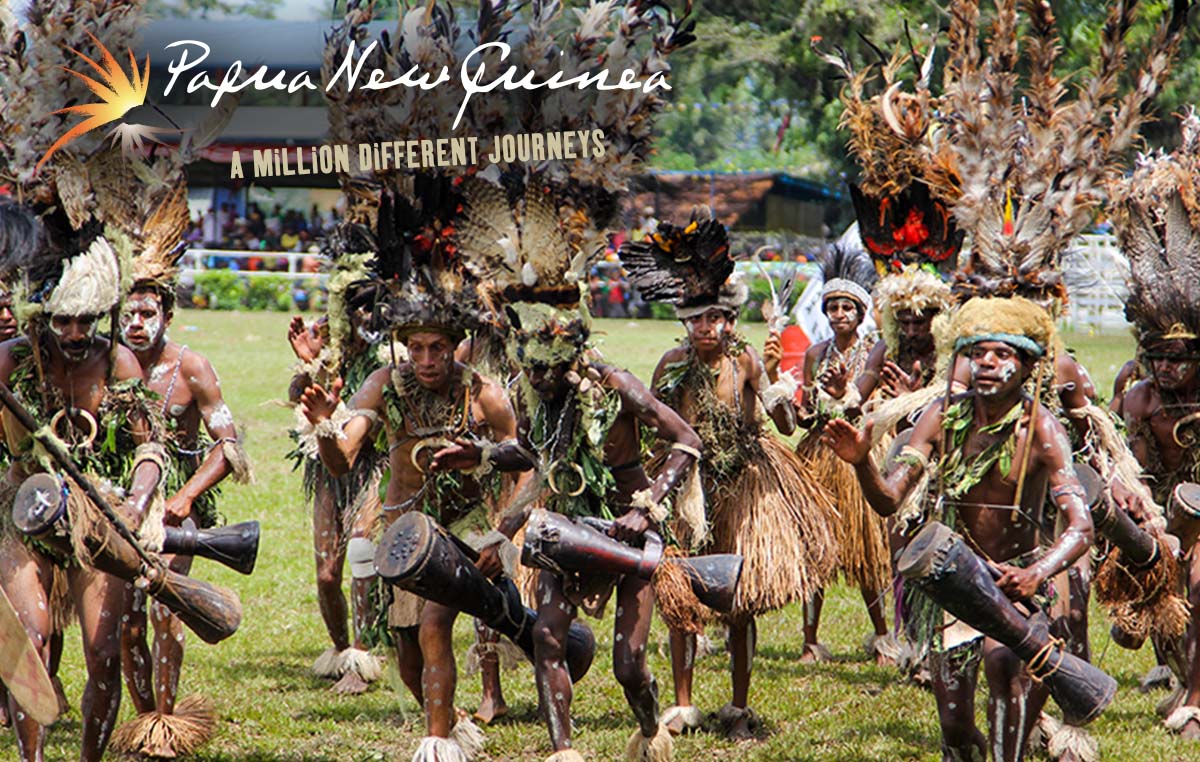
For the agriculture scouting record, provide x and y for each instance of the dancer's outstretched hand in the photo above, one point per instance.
(306, 340)
(317, 404)
(851, 444)
(834, 380)
(897, 382)
(772, 355)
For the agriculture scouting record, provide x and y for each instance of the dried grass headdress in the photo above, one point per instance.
(1156, 212)
(689, 266)
(1033, 164)
(908, 178)
(914, 289)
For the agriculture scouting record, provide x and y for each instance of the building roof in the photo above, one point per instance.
(737, 198)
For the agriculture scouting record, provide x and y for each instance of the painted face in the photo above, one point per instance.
(916, 329)
(1175, 367)
(74, 335)
(546, 379)
(432, 358)
(8, 321)
(142, 321)
(708, 329)
(996, 369)
(843, 313)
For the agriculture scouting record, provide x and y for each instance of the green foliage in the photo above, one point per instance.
(268, 292)
(760, 294)
(231, 290)
(219, 289)
(263, 9)
(777, 102)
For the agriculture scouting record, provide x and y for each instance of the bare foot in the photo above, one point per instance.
(489, 710)
(884, 661)
(815, 653)
(350, 684)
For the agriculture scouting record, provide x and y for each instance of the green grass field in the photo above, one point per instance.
(271, 708)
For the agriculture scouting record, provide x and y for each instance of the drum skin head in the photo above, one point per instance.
(893, 452)
(1091, 483)
(39, 503)
(916, 562)
(1187, 495)
(404, 546)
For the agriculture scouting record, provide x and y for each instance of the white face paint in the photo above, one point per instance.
(75, 352)
(1007, 369)
(141, 322)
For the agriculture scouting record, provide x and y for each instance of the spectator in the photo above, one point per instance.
(289, 240)
(616, 298)
(275, 221)
(211, 229)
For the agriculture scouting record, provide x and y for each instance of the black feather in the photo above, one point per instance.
(678, 266)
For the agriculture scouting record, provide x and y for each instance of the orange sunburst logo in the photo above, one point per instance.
(118, 93)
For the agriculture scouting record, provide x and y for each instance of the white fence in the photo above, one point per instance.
(194, 261)
(1094, 269)
(1096, 272)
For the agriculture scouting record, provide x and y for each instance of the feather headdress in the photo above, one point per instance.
(847, 272)
(82, 186)
(689, 266)
(1156, 211)
(534, 231)
(1032, 163)
(908, 177)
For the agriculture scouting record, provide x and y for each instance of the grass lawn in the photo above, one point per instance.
(271, 709)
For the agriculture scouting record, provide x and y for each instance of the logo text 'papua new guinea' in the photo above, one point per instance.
(472, 75)
(118, 94)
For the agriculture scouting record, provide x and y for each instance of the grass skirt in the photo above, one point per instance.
(861, 533)
(782, 521)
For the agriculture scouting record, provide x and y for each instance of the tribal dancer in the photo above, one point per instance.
(1157, 219)
(423, 405)
(902, 204)
(761, 502)
(345, 508)
(580, 427)
(81, 384)
(830, 369)
(994, 457)
(1022, 198)
(189, 394)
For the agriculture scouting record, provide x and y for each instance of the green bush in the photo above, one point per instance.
(231, 290)
(268, 292)
(219, 290)
(660, 311)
